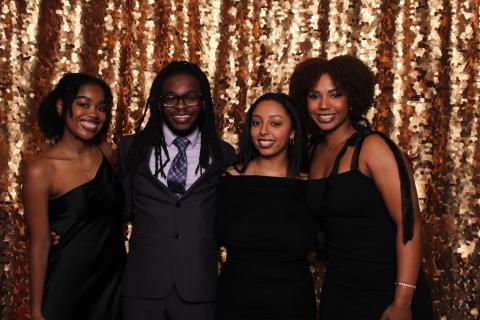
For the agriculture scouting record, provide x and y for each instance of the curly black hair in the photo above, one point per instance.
(350, 75)
(152, 135)
(295, 151)
(52, 123)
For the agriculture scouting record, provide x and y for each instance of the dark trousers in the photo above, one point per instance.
(171, 307)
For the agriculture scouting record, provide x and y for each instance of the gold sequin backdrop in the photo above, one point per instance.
(425, 54)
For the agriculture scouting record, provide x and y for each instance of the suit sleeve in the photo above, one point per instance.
(124, 180)
(228, 155)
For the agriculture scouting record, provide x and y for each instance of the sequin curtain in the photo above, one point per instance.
(425, 55)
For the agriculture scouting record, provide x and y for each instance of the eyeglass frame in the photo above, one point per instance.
(182, 97)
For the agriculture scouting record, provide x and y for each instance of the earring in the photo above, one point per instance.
(291, 141)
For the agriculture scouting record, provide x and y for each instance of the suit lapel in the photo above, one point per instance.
(145, 167)
(212, 168)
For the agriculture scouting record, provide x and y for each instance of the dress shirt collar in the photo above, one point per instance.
(193, 137)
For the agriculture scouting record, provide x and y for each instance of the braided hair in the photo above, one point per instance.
(152, 135)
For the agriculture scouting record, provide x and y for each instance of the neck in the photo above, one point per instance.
(338, 136)
(274, 167)
(74, 145)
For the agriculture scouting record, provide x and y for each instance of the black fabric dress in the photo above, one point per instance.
(360, 242)
(85, 268)
(267, 230)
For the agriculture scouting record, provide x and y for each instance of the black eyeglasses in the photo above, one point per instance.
(191, 99)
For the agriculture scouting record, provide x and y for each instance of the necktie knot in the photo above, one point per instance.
(181, 143)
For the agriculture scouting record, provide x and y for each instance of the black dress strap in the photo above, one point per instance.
(405, 187)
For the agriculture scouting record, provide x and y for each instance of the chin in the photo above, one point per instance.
(181, 130)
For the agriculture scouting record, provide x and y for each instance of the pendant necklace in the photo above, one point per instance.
(87, 172)
(330, 148)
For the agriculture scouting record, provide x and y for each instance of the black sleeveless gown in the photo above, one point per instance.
(267, 231)
(85, 268)
(360, 242)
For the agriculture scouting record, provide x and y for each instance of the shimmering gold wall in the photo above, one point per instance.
(425, 54)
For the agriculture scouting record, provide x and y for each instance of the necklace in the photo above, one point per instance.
(87, 172)
(333, 146)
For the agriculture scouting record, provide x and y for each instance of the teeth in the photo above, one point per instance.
(326, 117)
(89, 125)
(182, 116)
(265, 143)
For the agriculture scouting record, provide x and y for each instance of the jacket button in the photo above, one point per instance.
(177, 204)
(177, 235)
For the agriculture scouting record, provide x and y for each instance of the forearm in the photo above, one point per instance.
(409, 259)
(38, 267)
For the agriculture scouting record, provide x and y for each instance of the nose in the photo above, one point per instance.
(264, 129)
(180, 104)
(93, 112)
(323, 104)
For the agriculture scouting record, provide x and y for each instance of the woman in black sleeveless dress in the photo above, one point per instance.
(72, 190)
(364, 196)
(263, 221)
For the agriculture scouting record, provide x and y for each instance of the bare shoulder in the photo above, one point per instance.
(376, 150)
(41, 169)
(232, 171)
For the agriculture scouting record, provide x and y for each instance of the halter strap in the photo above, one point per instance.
(356, 140)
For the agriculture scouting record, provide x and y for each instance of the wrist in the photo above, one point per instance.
(401, 302)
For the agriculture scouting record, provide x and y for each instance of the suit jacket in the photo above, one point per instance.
(173, 239)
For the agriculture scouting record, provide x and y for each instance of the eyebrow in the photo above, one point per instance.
(88, 98)
(175, 93)
(273, 115)
(82, 97)
(329, 91)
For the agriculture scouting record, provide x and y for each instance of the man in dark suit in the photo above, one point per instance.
(169, 171)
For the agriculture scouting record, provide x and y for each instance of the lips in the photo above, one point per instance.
(90, 125)
(265, 143)
(325, 118)
(182, 118)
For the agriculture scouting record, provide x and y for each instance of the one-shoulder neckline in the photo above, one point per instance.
(81, 185)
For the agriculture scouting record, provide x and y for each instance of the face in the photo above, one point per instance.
(271, 129)
(326, 105)
(88, 113)
(181, 103)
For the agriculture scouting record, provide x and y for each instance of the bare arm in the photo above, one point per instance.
(36, 190)
(382, 167)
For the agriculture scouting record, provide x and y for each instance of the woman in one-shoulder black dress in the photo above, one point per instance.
(72, 190)
(85, 267)
(263, 221)
(363, 194)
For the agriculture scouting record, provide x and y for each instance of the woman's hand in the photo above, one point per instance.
(397, 312)
(37, 316)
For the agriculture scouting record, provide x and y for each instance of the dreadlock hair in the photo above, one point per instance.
(152, 135)
(51, 123)
(295, 151)
(350, 76)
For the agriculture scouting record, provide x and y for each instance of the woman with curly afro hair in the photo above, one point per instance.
(363, 194)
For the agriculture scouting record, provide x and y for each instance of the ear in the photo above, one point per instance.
(59, 107)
